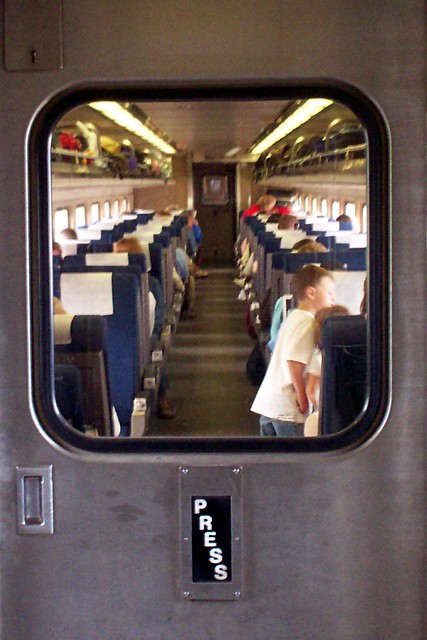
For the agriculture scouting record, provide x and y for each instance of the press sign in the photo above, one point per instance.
(211, 538)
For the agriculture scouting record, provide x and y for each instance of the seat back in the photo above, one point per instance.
(69, 394)
(116, 296)
(137, 267)
(343, 392)
(80, 341)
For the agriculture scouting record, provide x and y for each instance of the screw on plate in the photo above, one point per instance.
(186, 594)
(236, 470)
(184, 470)
(237, 594)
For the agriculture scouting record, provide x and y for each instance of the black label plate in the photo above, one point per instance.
(211, 538)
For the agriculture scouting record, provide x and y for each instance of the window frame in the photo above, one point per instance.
(40, 300)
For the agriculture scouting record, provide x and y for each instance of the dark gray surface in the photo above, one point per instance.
(334, 545)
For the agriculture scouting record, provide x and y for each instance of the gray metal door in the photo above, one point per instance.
(333, 545)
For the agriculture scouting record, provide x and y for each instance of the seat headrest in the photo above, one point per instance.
(107, 259)
(87, 293)
(83, 333)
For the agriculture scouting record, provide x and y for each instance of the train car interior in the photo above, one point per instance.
(133, 171)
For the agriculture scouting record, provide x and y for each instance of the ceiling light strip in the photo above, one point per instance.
(298, 118)
(121, 116)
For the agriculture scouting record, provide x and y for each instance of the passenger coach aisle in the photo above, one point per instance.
(207, 366)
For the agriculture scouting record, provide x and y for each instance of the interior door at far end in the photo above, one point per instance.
(215, 201)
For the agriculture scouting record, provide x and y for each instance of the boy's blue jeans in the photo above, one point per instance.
(270, 427)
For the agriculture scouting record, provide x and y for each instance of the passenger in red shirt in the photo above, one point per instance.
(266, 204)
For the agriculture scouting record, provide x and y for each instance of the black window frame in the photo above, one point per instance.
(368, 425)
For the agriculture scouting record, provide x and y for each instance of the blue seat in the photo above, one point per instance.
(143, 303)
(69, 394)
(98, 246)
(118, 298)
(344, 372)
(80, 341)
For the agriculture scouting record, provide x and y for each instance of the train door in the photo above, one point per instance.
(215, 201)
(125, 539)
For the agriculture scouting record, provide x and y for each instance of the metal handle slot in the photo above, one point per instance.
(35, 500)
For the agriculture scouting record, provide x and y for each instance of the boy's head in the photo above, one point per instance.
(267, 203)
(320, 317)
(314, 288)
(288, 222)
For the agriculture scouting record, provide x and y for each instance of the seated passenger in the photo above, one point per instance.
(298, 245)
(68, 234)
(56, 249)
(310, 247)
(314, 369)
(194, 241)
(288, 222)
(282, 399)
(265, 205)
(127, 245)
(185, 270)
(58, 308)
(346, 223)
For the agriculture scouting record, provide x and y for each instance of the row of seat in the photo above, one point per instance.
(272, 250)
(109, 294)
(344, 365)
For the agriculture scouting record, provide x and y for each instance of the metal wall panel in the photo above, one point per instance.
(334, 545)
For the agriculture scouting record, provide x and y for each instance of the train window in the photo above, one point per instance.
(80, 213)
(60, 221)
(314, 210)
(350, 209)
(336, 209)
(193, 375)
(94, 212)
(80, 216)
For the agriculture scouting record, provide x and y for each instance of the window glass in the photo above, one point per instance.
(314, 206)
(336, 210)
(350, 209)
(215, 190)
(80, 216)
(60, 221)
(212, 363)
(94, 212)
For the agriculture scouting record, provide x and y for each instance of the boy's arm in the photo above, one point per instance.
(311, 387)
(296, 371)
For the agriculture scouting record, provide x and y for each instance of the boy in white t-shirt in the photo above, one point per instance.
(282, 399)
